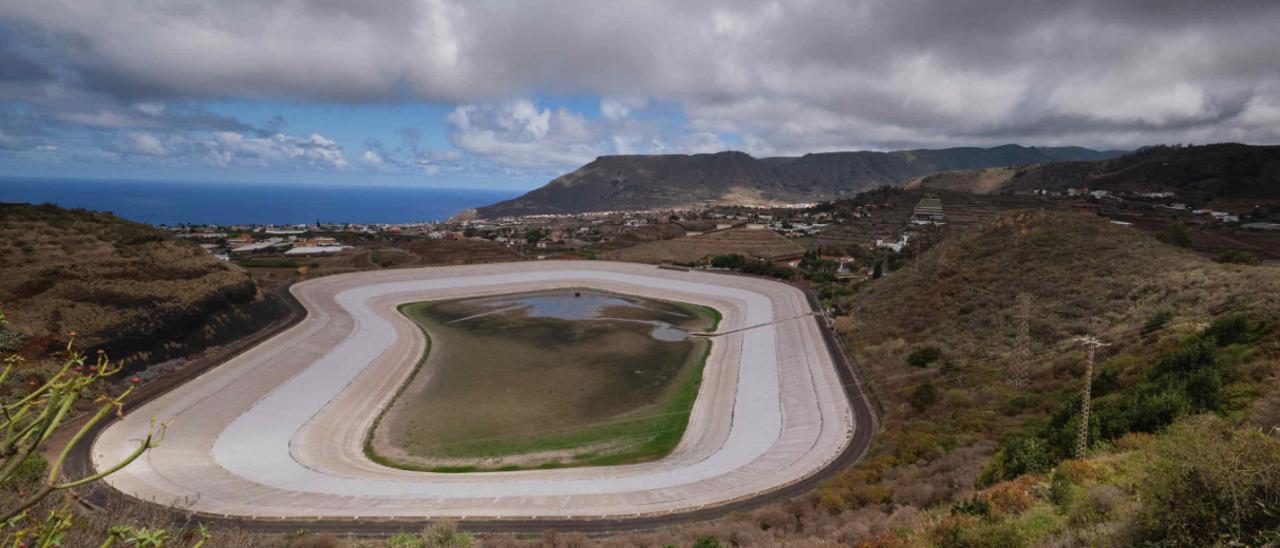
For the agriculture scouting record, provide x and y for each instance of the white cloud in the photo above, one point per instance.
(146, 144)
(373, 159)
(229, 148)
(615, 108)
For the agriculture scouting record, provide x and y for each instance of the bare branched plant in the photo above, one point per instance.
(30, 417)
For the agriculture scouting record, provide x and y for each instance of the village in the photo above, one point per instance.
(830, 246)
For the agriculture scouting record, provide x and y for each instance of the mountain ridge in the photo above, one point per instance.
(674, 180)
(1204, 172)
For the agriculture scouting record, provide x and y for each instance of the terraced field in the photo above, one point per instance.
(763, 244)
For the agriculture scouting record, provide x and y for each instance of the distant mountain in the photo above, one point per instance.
(1227, 170)
(643, 182)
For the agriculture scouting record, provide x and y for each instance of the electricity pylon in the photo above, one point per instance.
(1082, 439)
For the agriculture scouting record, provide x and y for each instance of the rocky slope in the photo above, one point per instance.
(643, 182)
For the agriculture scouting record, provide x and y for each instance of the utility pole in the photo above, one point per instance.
(1082, 439)
(1020, 366)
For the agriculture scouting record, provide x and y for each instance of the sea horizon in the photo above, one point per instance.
(168, 202)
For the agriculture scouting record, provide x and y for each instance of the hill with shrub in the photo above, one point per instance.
(1190, 341)
(1225, 171)
(123, 287)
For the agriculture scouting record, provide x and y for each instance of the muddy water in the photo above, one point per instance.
(584, 304)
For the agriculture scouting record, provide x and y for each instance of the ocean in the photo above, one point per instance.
(170, 203)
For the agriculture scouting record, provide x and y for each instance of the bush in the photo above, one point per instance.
(976, 507)
(924, 396)
(1062, 488)
(1097, 505)
(706, 541)
(1236, 256)
(1156, 321)
(970, 532)
(1176, 235)
(405, 540)
(733, 261)
(1010, 497)
(1234, 329)
(1208, 484)
(924, 356)
(1019, 454)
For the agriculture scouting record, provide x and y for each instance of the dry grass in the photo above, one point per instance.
(109, 280)
(1084, 274)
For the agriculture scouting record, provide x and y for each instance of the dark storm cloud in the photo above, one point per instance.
(783, 76)
(14, 67)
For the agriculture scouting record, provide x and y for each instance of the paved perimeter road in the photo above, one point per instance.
(276, 433)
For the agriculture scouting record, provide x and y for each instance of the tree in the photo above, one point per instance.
(30, 418)
(533, 235)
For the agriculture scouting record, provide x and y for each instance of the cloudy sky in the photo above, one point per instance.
(508, 93)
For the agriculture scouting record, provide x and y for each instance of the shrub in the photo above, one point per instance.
(706, 541)
(1156, 321)
(1019, 454)
(1097, 505)
(1010, 497)
(970, 532)
(1176, 235)
(1208, 483)
(1237, 256)
(405, 540)
(924, 356)
(923, 396)
(974, 506)
(732, 260)
(1062, 488)
(1234, 329)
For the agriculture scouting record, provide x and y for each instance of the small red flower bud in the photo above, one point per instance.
(73, 333)
(101, 351)
(135, 380)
